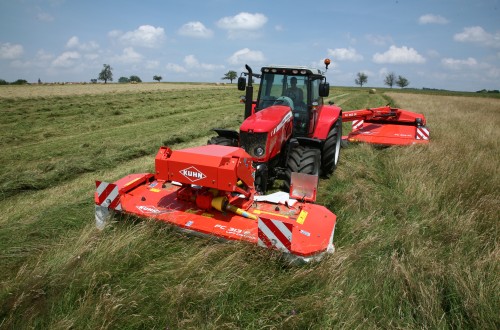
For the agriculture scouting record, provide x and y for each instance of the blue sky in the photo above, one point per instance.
(446, 44)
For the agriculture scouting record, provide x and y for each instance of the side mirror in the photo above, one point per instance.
(324, 89)
(242, 83)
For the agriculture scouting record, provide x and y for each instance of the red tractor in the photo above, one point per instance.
(288, 128)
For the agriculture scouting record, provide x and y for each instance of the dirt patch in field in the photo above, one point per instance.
(34, 91)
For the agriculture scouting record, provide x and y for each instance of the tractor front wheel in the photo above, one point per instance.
(302, 159)
(331, 148)
(223, 141)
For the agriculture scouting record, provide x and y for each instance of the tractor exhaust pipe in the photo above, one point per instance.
(249, 93)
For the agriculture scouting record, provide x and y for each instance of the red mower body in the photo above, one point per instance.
(386, 126)
(209, 190)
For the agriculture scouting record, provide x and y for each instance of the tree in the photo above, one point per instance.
(106, 73)
(3, 82)
(402, 82)
(135, 79)
(361, 79)
(230, 75)
(390, 79)
(123, 80)
(20, 82)
(157, 78)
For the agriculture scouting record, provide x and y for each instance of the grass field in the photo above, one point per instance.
(417, 239)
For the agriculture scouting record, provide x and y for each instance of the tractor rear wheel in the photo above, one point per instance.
(331, 148)
(302, 159)
(223, 141)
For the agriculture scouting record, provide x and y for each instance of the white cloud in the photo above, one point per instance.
(246, 55)
(243, 25)
(477, 34)
(243, 21)
(456, 64)
(432, 19)
(115, 34)
(192, 62)
(379, 40)
(345, 54)
(74, 42)
(153, 64)
(91, 57)
(129, 55)
(195, 29)
(144, 36)
(399, 55)
(493, 73)
(66, 60)
(43, 56)
(9, 51)
(433, 53)
(175, 68)
(42, 60)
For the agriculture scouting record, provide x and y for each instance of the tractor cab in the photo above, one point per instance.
(287, 128)
(300, 88)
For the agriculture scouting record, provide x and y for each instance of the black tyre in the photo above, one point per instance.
(223, 141)
(331, 149)
(302, 159)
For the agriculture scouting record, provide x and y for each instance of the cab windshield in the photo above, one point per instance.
(283, 89)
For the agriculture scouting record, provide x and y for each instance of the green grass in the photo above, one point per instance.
(416, 238)
(50, 140)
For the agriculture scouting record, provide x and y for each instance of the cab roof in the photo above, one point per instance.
(291, 70)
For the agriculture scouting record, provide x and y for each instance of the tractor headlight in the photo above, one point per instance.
(258, 151)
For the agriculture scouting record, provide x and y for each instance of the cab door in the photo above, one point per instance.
(314, 104)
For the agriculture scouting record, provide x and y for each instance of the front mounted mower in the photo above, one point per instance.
(210, 190)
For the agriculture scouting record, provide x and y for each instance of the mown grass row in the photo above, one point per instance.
(416, 239)
(48, 141)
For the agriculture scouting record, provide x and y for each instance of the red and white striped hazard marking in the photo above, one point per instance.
(357, 124)
(422, 133)
(275, 234)
(108, 195)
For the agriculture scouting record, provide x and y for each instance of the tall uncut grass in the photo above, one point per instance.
(416, 238)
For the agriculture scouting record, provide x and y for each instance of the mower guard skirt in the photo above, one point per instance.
(304, 231)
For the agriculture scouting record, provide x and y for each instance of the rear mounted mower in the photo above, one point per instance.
(386, 126)
(210, 190)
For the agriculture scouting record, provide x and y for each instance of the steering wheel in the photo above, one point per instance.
(284, 100)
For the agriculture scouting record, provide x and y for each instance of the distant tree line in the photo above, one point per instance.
(495, 91)
(131, 79)
(17, 82)
(106, 75)
(390, 80)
